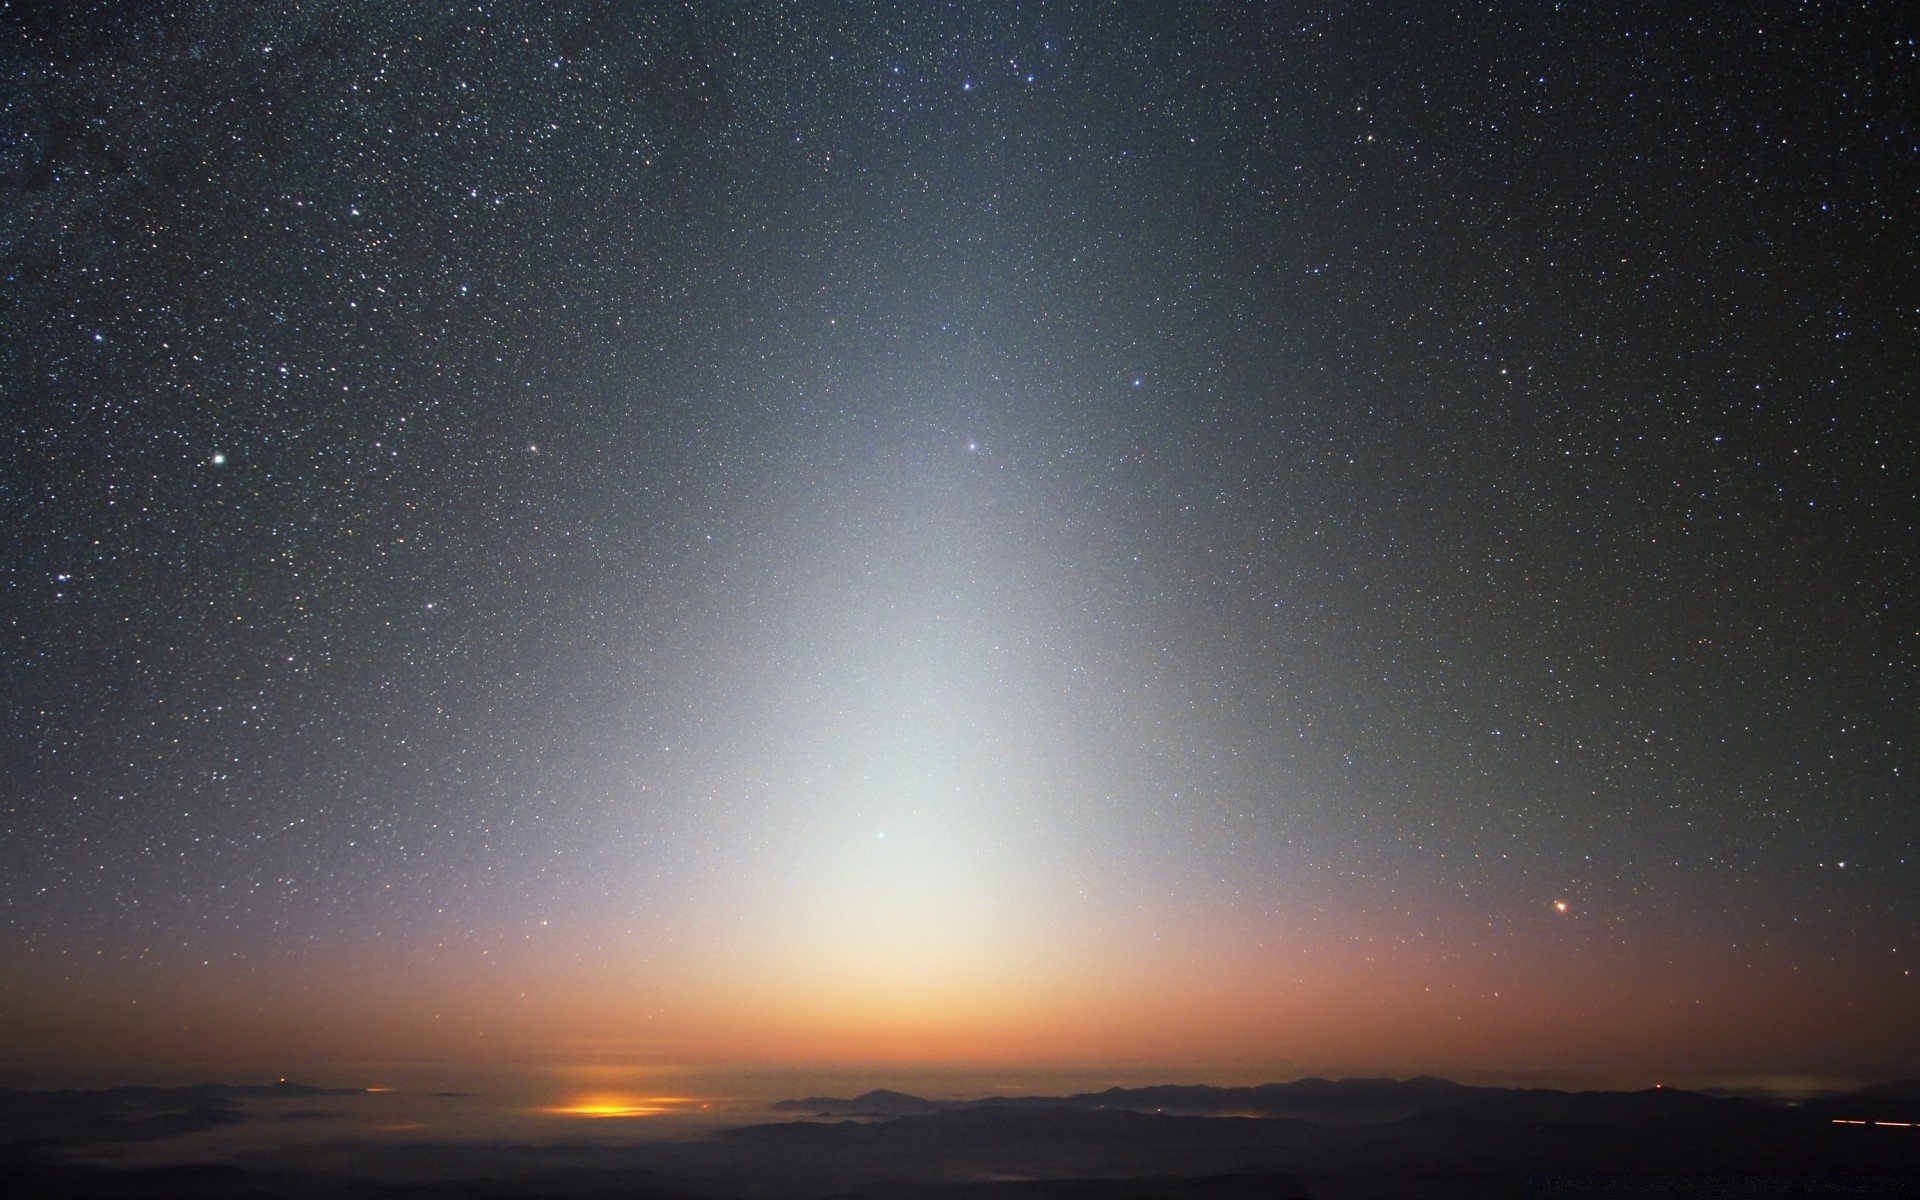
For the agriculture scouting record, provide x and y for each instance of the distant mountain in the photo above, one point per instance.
(1492, 1142)
(1334, 1102)
(136, 1114)
(1342, 1101)
(281, 1088)
(1121, 1144)
(115, 1115)
(1380, 1101)
(878, 1103)
(1545, 1106)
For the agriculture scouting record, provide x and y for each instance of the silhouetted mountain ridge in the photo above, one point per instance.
(1340, 1101)
(1546, 1106)
(1120, 1144)
(1381, 1101)
(877, 1103)
(134, 1113)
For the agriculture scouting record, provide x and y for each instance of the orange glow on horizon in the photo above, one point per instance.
(1203, 1004)
(604, 1104)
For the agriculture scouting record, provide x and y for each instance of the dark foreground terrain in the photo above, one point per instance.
(1314, 1138)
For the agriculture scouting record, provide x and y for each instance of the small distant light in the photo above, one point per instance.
(1560, 906)
(219, 460)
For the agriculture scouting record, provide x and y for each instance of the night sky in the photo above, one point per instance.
(1365, 536)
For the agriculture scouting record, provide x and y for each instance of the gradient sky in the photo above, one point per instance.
(1371, 536)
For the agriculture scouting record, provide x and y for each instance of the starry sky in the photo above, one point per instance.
(1356, 534)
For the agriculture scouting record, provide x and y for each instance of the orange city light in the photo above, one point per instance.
(602, 1104)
